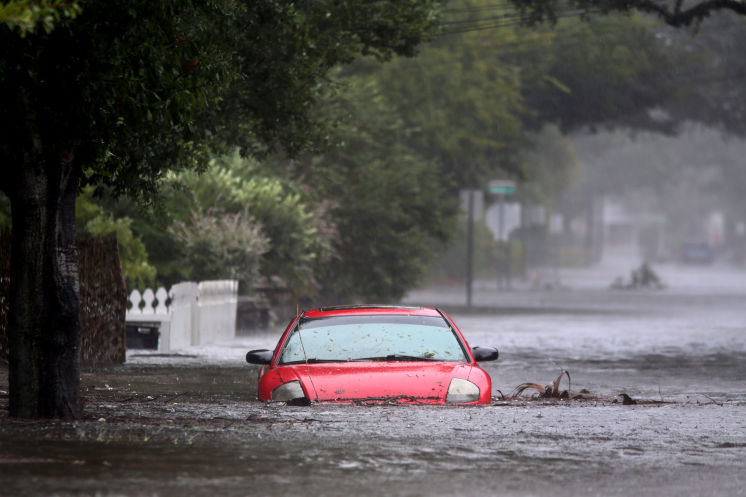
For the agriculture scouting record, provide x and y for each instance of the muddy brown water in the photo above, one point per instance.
(189, 425)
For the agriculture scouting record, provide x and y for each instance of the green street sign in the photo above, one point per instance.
(501, 187)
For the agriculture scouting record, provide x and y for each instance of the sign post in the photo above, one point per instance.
(502, 188)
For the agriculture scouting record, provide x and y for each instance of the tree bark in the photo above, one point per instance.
(44, 315)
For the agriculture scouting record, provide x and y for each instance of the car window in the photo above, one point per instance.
(382, 337)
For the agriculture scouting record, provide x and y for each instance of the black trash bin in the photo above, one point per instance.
(143, 335)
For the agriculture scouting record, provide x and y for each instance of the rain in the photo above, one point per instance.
(565, 183)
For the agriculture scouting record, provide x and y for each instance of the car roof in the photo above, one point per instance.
(361, 310)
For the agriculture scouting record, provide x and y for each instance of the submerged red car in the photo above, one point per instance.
(374, 354)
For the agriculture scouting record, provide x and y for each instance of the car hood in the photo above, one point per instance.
(425, 382)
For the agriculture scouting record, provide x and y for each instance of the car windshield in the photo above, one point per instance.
(372, 338)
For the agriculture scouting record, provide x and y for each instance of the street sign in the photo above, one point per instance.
(501, 187)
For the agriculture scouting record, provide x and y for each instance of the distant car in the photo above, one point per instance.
(696, 253)
(373, 354)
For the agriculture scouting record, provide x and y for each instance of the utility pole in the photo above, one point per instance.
(501, 216)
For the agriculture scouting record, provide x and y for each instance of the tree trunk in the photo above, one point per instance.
(44, 314)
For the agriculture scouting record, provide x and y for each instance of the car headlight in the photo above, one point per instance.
(462, 391)
(288, 391)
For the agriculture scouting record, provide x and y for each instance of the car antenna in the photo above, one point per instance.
(305, 357)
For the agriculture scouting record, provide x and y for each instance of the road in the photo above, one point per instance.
(186, 424)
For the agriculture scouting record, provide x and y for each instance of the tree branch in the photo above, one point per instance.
(678, 17)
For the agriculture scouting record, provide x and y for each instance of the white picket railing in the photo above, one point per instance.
(196, 314)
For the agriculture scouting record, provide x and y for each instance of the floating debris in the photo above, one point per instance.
(642, 277)
(552, 390)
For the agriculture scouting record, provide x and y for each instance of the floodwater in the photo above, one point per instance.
(188, 425)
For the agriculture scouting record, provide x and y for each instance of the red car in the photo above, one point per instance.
(373, 354)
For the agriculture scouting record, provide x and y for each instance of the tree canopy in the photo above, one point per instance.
(476, 100)
(117, 93)
(130, 87)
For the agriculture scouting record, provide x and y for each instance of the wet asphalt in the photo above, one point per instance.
(188, 424)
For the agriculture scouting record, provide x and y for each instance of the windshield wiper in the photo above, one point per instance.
(388, 357)
(397, 357)
(312, 360)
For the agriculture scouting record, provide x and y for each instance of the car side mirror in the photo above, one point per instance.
(484, 353)
(259, 356)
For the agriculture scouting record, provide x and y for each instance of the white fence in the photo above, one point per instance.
(196, 314)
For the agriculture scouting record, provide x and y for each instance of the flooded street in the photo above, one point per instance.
(188, 425)
(562, 181)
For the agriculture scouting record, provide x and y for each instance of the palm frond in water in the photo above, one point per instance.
(525, 386)
(551, 390)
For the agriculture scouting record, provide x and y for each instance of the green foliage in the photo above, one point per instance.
(298, 234)
(709, 85)
(218, 245)
(465, 111)
(26, 16)
(606, 72)
(129, 89)
(619, 65)
(389, 204)
(309, 38)
(476, 101)
(93, 220)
